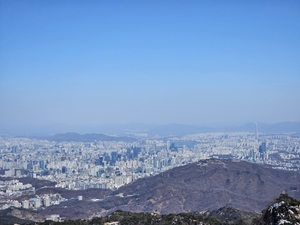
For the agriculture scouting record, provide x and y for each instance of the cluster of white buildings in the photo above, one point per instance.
(39, 201)
(13, 187)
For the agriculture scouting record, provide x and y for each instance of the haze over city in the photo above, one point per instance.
(155, 62)
(149, 112)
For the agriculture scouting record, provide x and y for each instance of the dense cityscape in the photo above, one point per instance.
(112, 164)
(143, 112)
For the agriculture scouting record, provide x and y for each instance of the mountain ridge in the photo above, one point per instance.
(70, 136)
(171, 129)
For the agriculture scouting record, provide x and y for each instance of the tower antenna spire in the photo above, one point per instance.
(256, 131)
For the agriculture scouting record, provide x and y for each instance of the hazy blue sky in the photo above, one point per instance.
(193, 62)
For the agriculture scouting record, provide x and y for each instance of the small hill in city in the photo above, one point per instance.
(210, 185)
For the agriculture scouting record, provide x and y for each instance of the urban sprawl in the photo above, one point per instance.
(110, 165)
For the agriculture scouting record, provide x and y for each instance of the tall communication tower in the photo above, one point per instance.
(256, 131)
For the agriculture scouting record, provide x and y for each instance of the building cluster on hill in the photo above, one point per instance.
(110, 164)
(14, 187)
(8, 199)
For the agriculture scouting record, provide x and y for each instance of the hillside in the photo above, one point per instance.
(86, 194)
(210, 185)
(6, 217)
(283, 210)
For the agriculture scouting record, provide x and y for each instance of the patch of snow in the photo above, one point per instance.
(282, 221)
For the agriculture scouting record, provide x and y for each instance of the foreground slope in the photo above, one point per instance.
(283, 210)
(210, 185)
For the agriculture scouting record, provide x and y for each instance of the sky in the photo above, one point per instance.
(155, 62)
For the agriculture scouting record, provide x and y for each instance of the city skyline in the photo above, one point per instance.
(93, 63)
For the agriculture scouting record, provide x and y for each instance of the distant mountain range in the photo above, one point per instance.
(284, 127)
(177, 130)
(86, 137)
(139, 129)
(181, 129)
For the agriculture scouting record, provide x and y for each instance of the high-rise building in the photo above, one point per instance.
(14, 149)
(252, 154)
(136, 151)
(263, 147)
(37, 203)
(35, 168)
(173, 147)
(263, 151)
(42, 165)
(114, 157)
(25, 204)
(46, 202)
